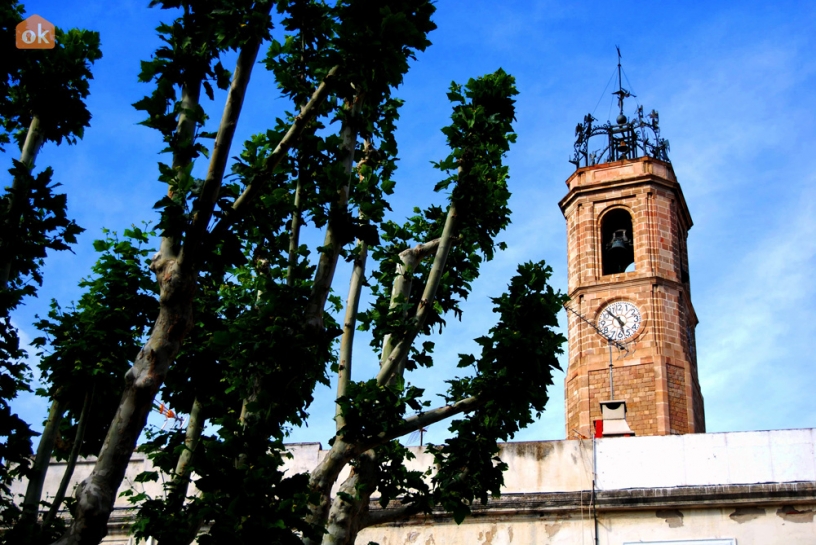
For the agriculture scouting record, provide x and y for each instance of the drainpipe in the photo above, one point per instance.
(594, 478)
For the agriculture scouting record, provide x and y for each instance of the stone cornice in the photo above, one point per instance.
(615, 283)
(636, 499)
(647, 176)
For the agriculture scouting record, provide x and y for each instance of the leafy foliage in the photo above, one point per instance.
(250, 342)
(252, 325)
(512, 374)
(49, 85)
(87, 347)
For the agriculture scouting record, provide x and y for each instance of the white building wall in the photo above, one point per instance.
(777, 456)
(667, 462)
(762, 526)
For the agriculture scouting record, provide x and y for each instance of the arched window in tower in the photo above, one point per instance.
(618, 251)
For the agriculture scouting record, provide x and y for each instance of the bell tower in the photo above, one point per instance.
(628, 281)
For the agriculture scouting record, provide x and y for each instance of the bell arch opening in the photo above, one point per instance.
(618, 247)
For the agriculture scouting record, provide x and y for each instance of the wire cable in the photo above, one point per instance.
(603, 92)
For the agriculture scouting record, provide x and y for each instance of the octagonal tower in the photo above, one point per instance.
(629, 284)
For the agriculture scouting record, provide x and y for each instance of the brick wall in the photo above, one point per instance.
(697, 405)
(678, 408)
(635, 385)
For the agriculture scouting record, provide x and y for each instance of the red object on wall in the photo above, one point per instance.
(598, 429)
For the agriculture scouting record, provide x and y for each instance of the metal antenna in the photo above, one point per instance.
(619, 345)
(620, 82)
(621, 92)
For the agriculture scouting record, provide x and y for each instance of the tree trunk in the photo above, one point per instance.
(31, 146)
(323, 477)
(351, 504)
(36, 476)
(71, 462)
(96, 494)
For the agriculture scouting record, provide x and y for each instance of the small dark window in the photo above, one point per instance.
(618, 252)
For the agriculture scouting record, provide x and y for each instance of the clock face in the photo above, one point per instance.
(620, 321)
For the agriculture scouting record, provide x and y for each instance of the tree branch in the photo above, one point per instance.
(185, 131)
(204, 205)
(413, 423)
(181, 479)
(72, 460)
(31, 146)
(391, 363)
(294, 234)
(389, 514)
(327, 263)
(36, 475)
(271, 162)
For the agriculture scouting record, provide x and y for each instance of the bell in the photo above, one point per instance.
(619, 241)
(623, 147)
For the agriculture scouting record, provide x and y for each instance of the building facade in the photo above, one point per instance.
(742, 488)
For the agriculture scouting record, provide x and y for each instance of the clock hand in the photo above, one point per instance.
(616, 318)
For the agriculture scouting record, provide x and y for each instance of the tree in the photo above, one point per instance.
(245, 328)
(509, 377)
(84, 353)
(41, 100)
(345, 68)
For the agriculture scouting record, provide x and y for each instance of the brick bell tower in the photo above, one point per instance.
(628, 281)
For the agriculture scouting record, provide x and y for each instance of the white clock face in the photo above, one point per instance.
(620, 321)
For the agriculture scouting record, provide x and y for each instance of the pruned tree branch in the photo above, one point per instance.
(424, 419)
(392, 362)
(403, 282)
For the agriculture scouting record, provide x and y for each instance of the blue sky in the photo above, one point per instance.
(733, 82)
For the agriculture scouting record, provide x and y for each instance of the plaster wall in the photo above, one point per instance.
(745, 526)
(645, 466)
(777, 456)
